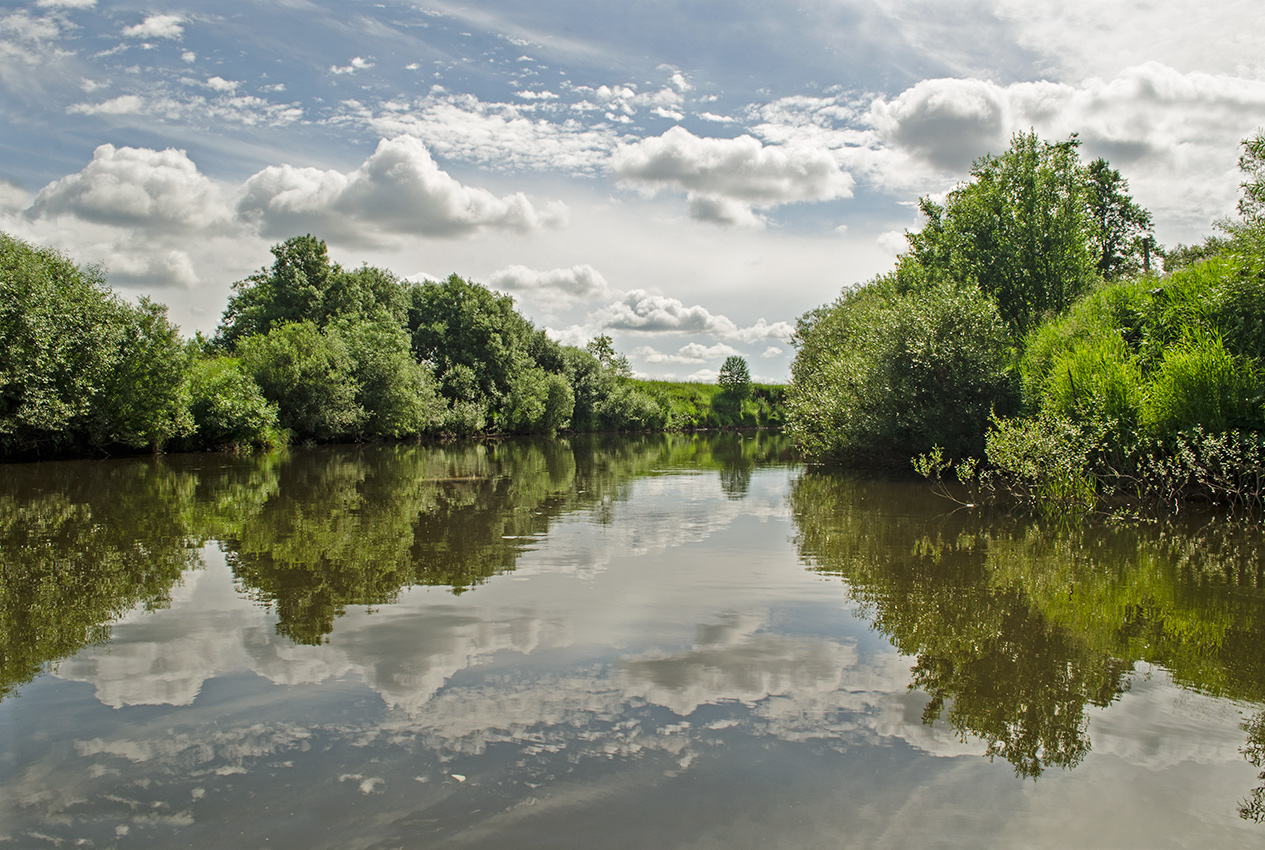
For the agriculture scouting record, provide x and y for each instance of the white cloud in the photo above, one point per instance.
(126, 104)
(725, 178)
(692, 353)
(66, 4)
(398, 191)
(22, 27)
(580, 281)
(221, 85)
(948, 122)
(772, 351)
(639, 310)
(357, 64)
(157, 26)
(499, 136)
(133, 187)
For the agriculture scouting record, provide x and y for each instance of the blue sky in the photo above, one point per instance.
(688, 177)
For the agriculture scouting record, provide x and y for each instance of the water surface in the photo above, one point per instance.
(671, 641)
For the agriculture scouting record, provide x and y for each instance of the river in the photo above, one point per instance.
(685, 641)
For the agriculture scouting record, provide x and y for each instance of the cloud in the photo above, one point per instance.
(66, 4)
(499, 136)
(357, 64)
(398, 191)
(22, 27)
(136, 187)
(949, 122)
(772, 351)
(157, 26)
(690, 354)
(639, 310)
(725, 178)
(580, 281)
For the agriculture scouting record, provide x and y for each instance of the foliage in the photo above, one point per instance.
(303, 285)
(229, 408)
(309, 375)
(735, 377)
(82, 368)
(1022, 232)
(881, 375)
(1122, 228)
(397, 394)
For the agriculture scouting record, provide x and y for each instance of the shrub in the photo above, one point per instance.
(228, 408)
(881, 375)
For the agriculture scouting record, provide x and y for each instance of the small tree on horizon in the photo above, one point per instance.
(735, 377)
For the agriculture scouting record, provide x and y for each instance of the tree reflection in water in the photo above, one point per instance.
(1018, 626)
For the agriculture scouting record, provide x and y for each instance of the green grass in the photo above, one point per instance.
(694, 405)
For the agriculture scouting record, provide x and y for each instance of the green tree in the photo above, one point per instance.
(145, 400)
(459, 323)
(1021, 232)
(1122, 230)
(881, 374)
(735, 377)
(310, 376)
(228, 408)
(397, 394)
(304, 285)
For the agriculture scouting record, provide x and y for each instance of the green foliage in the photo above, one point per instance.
(397, 394)
(735, 377)
(1200, 384)
(144, 400)
(228, 408)
(1022, 232)
(881, 375)
(1122, 231)
(309, 375)
(304, 286)
(81, 367)
(459, 323)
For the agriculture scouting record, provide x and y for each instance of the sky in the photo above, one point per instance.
(687, 177)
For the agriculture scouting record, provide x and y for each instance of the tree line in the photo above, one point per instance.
(1027, 341)
(308, 350)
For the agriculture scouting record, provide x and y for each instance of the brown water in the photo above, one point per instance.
(648, 642)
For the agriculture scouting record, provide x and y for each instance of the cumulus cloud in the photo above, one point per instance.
(398, 191)
(582, 281)
(772, 351)
(723, 177)
(690, 354)
(66, 4)
(157, 26)
(639, 310)
(357, 64)
(134, 187)
(948, 122)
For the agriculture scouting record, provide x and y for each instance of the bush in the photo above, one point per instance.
(882, 375)
(228, 408)
(309, 376)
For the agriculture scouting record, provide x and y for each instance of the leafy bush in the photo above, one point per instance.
(882, 375)
(309, 375)
(228, 408)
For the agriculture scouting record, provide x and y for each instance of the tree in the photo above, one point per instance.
(303, 285)
(735, 377)
(1021, 232)
(1123, 227)
(310, 376)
